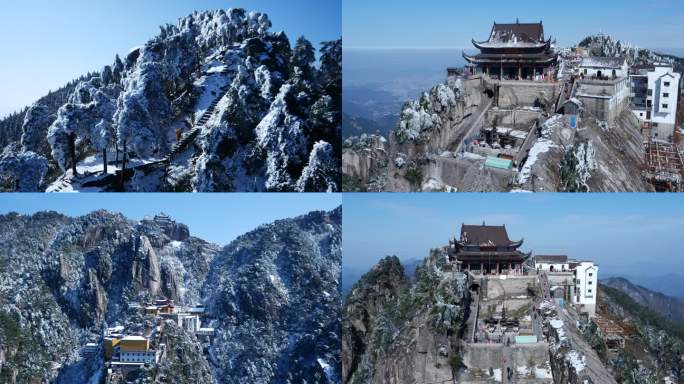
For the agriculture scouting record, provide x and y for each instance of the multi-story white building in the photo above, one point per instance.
(586, 286)
(655, 95)
(577, 279)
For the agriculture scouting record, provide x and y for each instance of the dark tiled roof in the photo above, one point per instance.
(483, 234)
(551, 258)
(527, 31)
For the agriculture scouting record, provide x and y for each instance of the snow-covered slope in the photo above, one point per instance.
(273, 295)
(216, 102)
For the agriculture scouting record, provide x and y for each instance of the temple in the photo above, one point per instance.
(485, 249)
(513, 52)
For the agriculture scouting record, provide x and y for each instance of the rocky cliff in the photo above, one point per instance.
(273, 293)
(395, 331)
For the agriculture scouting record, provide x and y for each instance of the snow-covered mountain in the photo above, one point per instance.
(216, 102)
(603, 45)
(272, 296)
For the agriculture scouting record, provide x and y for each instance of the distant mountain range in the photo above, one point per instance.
(669, 307)
(670, 284)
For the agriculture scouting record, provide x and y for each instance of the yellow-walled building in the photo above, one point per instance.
(134, 344)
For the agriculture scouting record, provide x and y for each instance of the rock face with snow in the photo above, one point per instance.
(395, 331)
(273, 294)
(597, 158)
(249, 107)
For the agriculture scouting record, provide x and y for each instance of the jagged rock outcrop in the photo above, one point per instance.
(429, 127)
(381, 285)
(273, 292)
(410, 335)
(184, 362)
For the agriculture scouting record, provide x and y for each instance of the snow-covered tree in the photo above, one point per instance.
(25, 169)
(246, 106)
(117, 70)
(322, 172)
(303, 57)
(330, 73)
(37, 120)
(78, 119)
(282, 136)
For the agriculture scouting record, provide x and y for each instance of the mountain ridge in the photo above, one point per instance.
(63, 279)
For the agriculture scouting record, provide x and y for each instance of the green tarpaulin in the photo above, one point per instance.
(495, 162)
(526, 339)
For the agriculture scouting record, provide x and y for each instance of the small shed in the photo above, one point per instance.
(572, 106)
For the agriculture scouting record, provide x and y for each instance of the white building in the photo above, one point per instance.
(551, 263)
(90, 349)
(190, 323)
(662, 93)
(603, 87)
(604, 68)
(578, 280)
(586, 286)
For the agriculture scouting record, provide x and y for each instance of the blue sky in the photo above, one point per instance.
(46, 43)
(624, 233)
(216, 217)
(440, 23)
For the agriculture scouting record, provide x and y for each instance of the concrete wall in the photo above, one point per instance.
(524, 93)
(513, 286)
(467, 175)
(604, 99)
(515, 118)
(485, 356)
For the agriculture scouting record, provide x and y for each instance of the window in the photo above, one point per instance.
(650, 92)
(667, 83)
(664, 106)
(666, 94)
(591, 274)
(589, 290)
(591, 282)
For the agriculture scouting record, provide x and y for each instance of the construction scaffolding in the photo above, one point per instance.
(664, 166)
(612, 333)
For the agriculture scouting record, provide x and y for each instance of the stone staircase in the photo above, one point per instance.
(64, 182)
(111, 180)
(189, 137)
